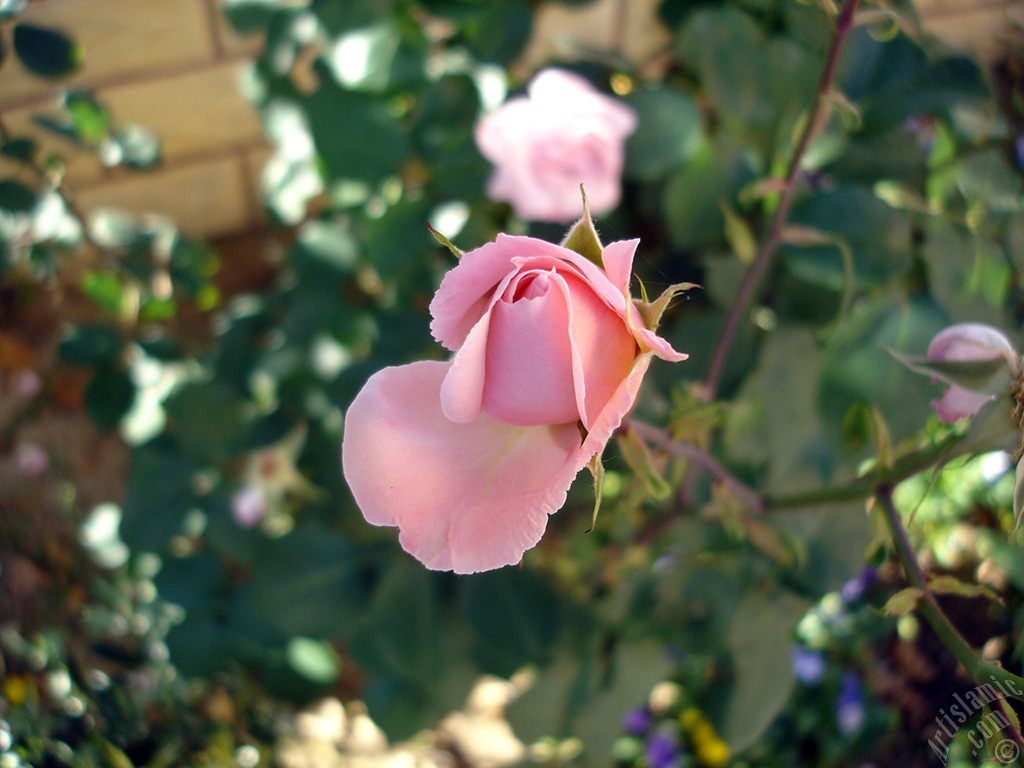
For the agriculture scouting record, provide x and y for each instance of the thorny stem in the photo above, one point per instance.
(982, 671)
(816, 120)
(661, 439)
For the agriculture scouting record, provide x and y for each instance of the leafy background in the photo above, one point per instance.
(181, 634)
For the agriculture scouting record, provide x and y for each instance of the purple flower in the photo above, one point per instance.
(637, 721)
(662, 749)
(850, 705)
(854, 589)
(808, 666)
(1020, 151)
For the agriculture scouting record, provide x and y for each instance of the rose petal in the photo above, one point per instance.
(602, 345)
(610, 417)
(466, 497)
(467, 291)
(529, 359)
(462, 392)
(969, 341)
(958, 403)
(618, 263)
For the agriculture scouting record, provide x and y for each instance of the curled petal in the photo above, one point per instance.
(466, 497)
(529, 358)
(969, 341)
(964, 342)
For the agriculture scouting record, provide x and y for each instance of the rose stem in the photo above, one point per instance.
(816, 121)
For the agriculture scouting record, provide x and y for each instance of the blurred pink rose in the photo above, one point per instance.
(963, 342)
(469, 457)
(564, 133)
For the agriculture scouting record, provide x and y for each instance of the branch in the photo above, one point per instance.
(818, 116)
(982, 671)
(710, 465)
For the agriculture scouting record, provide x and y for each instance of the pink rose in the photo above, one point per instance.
(963, 342)
(469, 457)
(545, 145)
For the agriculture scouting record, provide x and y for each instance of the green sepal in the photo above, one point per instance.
(582, 238)
(596, 467)
(985, 377)
(638, 458)
(992, 429)
(457, 252)
(651, 311)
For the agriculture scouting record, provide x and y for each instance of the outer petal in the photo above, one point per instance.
(603, 348)
(467, 291)
(466, 497)
(609, 419)
(618, 263)
(969, 341)
(958, 403)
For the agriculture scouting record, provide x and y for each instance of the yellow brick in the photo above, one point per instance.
(981, 30)
(120, 38)
(566, 32)
(256, 158)
(205, 198)
(927, 8)
(194, 113)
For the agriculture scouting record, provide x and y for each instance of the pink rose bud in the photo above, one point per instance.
(469, 457)
(564, 133)
(964, 342)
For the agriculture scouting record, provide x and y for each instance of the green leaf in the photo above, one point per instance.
(693, 196)
(159, 494)
(21, 148)
(46, 52)
(104, 288)
(499, 31)
(15, 197)
(400, 636)
(206, 419)
(669, 131)
(759, 639)
(774, 422)
(308, 584)
(356, 136)
(877, 235)
(903, 602)
(90, 345)
(109, 397)
(514, 615)
(951, 585)
(90, 120)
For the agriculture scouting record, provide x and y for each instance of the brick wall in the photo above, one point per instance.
(172, 66)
